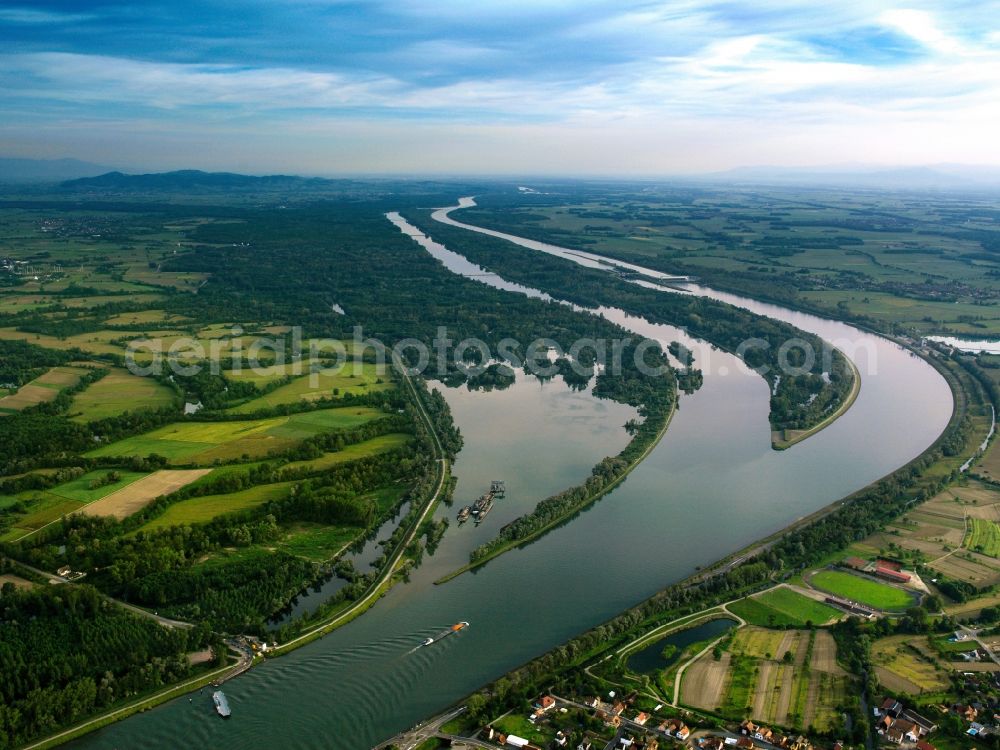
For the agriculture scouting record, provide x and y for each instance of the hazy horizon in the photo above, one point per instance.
(550, 87)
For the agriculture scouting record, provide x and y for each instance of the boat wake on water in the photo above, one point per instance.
(456, 628)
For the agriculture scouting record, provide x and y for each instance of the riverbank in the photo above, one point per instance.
(784, 439)
(647, 307)
(335, 620)
(543, 671)
(570, 513)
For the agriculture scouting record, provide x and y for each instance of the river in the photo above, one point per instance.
(711, 486)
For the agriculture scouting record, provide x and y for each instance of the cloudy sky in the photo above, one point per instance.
(500, 86)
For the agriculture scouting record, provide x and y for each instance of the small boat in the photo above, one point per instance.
(459, 626)
(428, 641)
(464, 513)
(221, 704)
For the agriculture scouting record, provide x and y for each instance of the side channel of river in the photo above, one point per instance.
(711, 486)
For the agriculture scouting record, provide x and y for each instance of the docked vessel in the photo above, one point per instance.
(482, 506)
(464, 513)
(221, 704)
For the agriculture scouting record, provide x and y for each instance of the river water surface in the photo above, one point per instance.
(711, 486)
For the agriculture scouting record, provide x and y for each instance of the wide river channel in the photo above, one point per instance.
(711, 486)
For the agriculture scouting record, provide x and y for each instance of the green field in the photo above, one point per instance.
(118, 392)
(205, 442)
(864, 590)
(983, 537)
(45, 506)
(318, 385)
(203, 509)
(364, 449)
(783, 607)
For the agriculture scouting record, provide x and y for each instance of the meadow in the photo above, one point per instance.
(351, 379)
(983, 537)
(907, 664)
(42, 389)
(203, 509)
(118, 392)
(205, 442)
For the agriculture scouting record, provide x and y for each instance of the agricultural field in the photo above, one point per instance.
(125, 501)
(908, 664)
(787, 678)
(354, 452)
(203, 509)
(118, 392)
(351, 379)
(935, 534)
(42, 389)
(783, 607)
(983, 537)
(864, 590)
(41, 507)
(205, 442)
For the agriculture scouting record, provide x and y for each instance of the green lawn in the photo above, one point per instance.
(203, 509)
(864, 590)
(782, 607)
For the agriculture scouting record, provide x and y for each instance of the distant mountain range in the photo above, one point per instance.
(193, 179)
(46, 170)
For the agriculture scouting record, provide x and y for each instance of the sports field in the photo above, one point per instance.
(863, 590)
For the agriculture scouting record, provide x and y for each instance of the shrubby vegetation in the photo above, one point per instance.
(66, 653)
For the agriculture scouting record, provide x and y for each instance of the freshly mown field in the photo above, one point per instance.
(352, 378)
(116, 393)
(203, 509)
(983, 537)
(124, 502)
(205, 442)
(42, 389)
(863, 590)
(783, 607)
